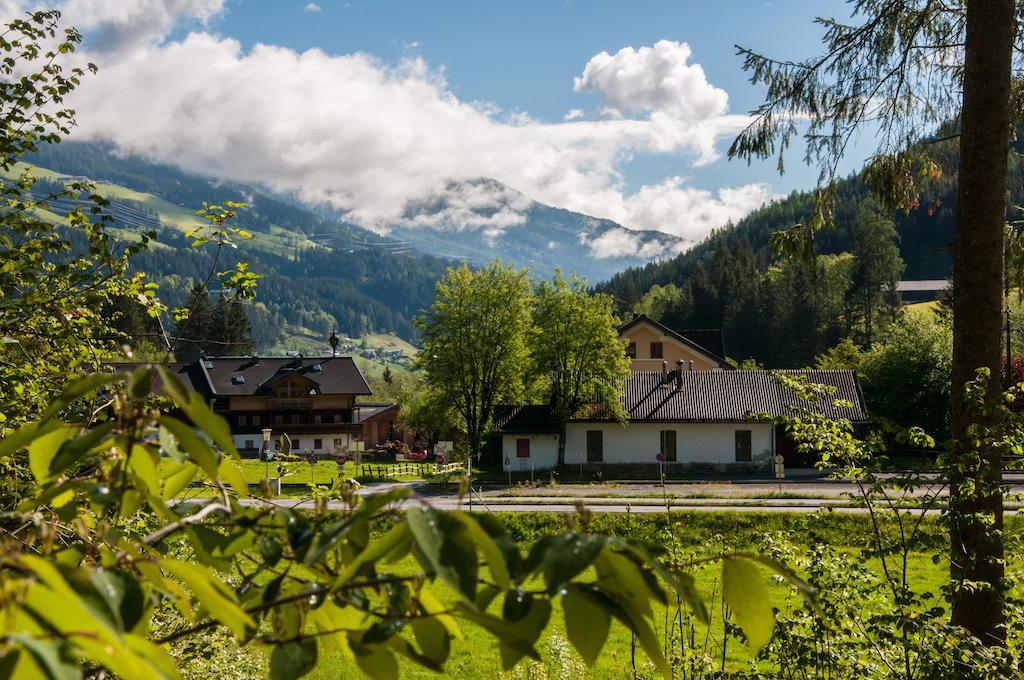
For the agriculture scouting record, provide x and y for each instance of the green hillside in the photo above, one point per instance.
(320, 274)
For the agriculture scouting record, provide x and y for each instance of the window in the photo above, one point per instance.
(295, 419)
(657, 350)
(743, 446)
(668, 445)
(255, 420)
(295, 444)
(249, 444)
(631, 350)
(522, 448)
(278, 420)
(340, 443)
(595, 446)
(242, 420)
(318, 444)
(317, 418)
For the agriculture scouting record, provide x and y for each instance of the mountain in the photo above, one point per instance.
(319, 273)
(484, 219)
(784, 312)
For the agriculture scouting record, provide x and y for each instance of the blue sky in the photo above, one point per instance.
(617, 110)
(524, 55)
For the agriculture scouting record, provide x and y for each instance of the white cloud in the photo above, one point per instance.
(312, 7)
(115, 25)
(657, 78)
(687, 212)
(391, 143)
(573, 114)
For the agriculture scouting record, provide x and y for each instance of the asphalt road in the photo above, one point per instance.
(797, 496)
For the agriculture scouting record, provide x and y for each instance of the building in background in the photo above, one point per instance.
(711, 418)
(652, 346)
(309, 399)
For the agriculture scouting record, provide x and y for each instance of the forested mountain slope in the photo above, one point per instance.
(784, 313)
(319, 274)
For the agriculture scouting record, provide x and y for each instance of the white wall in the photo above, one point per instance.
(305, 443)
(543, 452)
(709, 443)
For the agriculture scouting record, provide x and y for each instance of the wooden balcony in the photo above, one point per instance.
(290, 403)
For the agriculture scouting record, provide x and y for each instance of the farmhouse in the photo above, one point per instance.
(652, 346)
(311, 400)
(699, 417)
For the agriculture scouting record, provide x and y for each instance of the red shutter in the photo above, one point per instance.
(522, 448)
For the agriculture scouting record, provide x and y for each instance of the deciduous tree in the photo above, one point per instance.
(475, 342)
(577, 352)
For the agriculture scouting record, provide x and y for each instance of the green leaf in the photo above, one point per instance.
(586, 623)
(141, 462)
(72, 451)
(196, 446)
(745, 592)
(433, 639)
(48, 657)
(42, 451)
(25, 434)
(494, 556)
(233, 475)
(531, 616)
(564, 557)
(293, 659)
(215, 596)
(395, 536)
(176, 477)
(215, 426)
(377, 662)
(79, 387)
(445, 545)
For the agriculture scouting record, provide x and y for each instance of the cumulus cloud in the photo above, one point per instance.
(116, 25)
(658, 78)
(689, 213)
(312, 7)
(390, 143)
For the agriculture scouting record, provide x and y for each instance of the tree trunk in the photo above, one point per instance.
(976, 545)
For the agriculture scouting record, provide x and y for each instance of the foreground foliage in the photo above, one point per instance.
(84, 585)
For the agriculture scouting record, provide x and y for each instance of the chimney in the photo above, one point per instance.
(679, 373)
(691, 364)
(664, 368)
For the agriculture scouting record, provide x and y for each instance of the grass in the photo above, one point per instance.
(477, 656)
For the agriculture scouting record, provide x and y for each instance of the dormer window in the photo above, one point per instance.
(290, 390)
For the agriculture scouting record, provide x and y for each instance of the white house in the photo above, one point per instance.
(706, 418)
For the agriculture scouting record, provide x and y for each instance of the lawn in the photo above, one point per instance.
(477, 655)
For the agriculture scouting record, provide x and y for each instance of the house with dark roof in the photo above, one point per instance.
(700, 417)
(312, 400)
(653, 346)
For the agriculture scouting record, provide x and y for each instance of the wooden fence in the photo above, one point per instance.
(370, 471)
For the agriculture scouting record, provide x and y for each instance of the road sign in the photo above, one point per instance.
(780, 466)
(443, 451)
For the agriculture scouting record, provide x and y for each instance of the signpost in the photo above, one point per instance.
(508, 467)
(443, 451)
(780, 469)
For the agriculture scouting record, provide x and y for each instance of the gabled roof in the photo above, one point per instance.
(733, 396)
(705, 341)
(249, 375)
(330, 375)
(524, 419)
(708, 397)
(362, 413)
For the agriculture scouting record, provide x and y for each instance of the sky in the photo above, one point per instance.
(619, 110)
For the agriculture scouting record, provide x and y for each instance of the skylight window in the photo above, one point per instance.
(238, 380)
(316, 368)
